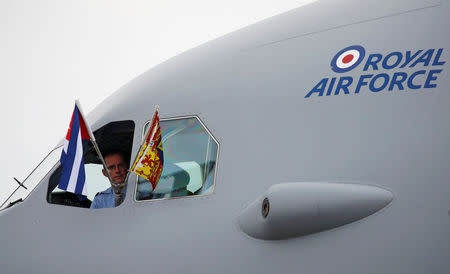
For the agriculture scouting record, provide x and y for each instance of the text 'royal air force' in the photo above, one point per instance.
(414, 69)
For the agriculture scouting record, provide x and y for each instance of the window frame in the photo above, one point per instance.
(129, 124)
(215, 168)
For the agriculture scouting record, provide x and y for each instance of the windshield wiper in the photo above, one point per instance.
(16, 201)
(13, 203)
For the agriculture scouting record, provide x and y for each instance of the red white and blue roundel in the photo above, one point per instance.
(347, 59)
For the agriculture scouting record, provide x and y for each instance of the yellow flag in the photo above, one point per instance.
(150, 160)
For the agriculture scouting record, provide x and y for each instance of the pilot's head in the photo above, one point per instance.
(115, 162)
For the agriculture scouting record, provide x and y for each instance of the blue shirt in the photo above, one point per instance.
(105, 199)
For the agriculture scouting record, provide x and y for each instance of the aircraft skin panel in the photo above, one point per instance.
(253, 100)
(306, 20)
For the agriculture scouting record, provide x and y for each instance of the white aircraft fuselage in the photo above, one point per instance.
(337, 112)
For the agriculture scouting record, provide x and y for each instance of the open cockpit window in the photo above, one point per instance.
(190, 155)
(115, 138)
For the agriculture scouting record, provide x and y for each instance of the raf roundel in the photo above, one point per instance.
(347, 59)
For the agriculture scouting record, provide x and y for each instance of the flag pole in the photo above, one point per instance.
(147, 132)
(94, 143)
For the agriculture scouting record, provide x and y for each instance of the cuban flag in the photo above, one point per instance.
(73, 177)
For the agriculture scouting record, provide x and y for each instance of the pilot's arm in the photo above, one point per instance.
(104, 199)
(95, 202)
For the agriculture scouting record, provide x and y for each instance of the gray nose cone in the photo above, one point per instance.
(295, 209)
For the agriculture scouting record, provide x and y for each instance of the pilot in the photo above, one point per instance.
(115, 162)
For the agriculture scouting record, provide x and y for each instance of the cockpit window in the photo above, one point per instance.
(115, 137)
(190, 155)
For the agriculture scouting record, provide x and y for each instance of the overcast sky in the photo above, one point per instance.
(55, 51)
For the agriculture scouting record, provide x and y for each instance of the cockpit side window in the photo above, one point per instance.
(190, 156)
(114, 136)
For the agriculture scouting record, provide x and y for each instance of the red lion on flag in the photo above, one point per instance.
(150, 161)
